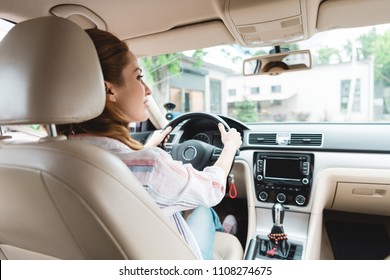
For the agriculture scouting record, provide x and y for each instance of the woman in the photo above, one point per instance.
(175, 187)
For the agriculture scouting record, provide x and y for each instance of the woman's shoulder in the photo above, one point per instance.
(153, 151)
(122, 150)
(101, 141)
(145, 157)
(146, 153)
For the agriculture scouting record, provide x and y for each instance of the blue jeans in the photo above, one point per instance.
(204, 222)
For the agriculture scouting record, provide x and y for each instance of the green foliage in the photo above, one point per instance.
(328, 55)
(370, 44)
(158, 70)
(366, 41)
(260, 52)
(158, 66)
(245, 111)
(291, 46)
(198, 56)
(377, 45)
(381, 48)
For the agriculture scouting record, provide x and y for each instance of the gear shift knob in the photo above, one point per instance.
(278, 246)
(278, 214)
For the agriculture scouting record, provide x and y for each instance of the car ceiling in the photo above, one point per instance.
(154, 27)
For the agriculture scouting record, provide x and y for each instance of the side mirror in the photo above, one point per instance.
(275, 64)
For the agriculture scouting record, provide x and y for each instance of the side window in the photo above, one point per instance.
(346, 98)
(5, 26)
(255, 90)
(232, 92)
(276, 89)
(216, 96)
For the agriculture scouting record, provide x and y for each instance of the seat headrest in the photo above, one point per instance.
(49, 74)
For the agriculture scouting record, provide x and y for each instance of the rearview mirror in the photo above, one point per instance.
(275, 64)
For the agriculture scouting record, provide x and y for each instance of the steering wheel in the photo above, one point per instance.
(198, 153)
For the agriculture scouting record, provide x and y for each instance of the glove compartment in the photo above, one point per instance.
(367, 198)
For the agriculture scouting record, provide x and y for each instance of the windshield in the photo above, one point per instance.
(349, 81)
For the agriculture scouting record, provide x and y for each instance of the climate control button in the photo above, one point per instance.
(300, 199)
(263, 196)
(281, 197)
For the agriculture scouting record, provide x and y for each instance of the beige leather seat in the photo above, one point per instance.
(65, 199)
(227, 247)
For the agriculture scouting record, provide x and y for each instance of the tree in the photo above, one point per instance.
(328, 55)
(380, 47)
(291, 46)
(374, 44)
(366, 42)
(246, 111)
(158, 70)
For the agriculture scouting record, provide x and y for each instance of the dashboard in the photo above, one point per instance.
(209, 137)
(294, 154)
(313, 169)
(204, 130)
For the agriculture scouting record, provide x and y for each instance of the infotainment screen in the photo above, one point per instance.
(282, 168)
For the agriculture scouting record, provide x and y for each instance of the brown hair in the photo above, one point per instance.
(273, 64)
(113, 57)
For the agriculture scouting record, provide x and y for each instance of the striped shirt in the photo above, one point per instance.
(174, 186)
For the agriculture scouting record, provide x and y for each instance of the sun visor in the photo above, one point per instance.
(331, 13)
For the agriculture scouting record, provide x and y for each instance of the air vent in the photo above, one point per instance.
(306, 139)
(262, 139)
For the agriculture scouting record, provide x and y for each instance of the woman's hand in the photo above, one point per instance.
(231, 138)
(158, 137)
(231, 143)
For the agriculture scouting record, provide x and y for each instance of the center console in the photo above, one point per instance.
(276, 245)
(284, 178)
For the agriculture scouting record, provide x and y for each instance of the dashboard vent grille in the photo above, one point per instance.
(306, 139)
(262, 139)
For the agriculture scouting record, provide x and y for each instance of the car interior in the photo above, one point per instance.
(299, 190)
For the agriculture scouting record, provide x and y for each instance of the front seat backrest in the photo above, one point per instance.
(66, 199)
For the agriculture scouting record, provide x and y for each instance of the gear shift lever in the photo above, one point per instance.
(278, 245)
(278, 215)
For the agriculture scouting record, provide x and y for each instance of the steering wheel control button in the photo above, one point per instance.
(168, 149)
(216, 153)
(189, 153)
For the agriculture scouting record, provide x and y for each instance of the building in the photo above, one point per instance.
(200, 88)
(291, 96)
(287, 97)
